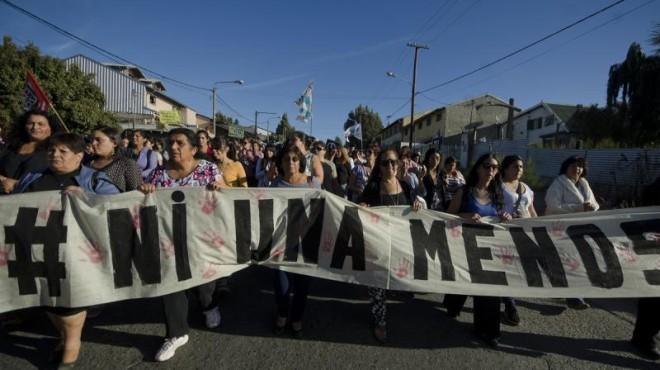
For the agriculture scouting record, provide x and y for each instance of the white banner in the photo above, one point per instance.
(69, 250)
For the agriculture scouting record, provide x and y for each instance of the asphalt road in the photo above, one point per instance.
(338, 335)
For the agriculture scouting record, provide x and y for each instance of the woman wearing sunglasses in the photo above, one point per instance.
(480, 197)
(385, 189)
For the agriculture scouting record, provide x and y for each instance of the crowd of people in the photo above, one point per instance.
(40, 157)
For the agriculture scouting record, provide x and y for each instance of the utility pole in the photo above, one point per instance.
(414, 82)
(213, 111)
(256, 117)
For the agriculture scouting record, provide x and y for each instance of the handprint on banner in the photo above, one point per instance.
(210, 202)
(258, 194)
(209, 271)
(557, 229)
(455, 228)
(505, 255)
(4, 255)
(92, 251)
(625, 251)
(214, 240)
(277, 251)
(569, 261)
(374, 217)
(327, 245)
(45, 212)
(135, 215)
(404, 268)
(167, 247)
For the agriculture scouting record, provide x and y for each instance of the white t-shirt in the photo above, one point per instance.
(511, 198)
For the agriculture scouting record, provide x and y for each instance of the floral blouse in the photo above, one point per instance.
(205, 173)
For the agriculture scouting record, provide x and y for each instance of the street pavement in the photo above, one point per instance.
(337, 335)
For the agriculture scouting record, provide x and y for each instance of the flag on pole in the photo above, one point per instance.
(355, 131)
(33, 96)
(304, 104)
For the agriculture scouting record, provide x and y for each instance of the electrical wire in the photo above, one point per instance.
(99, 49)
(520, 50)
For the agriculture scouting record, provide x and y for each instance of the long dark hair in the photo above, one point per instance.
(508, 161)
(18, 135)
(376, 173)
(427, 158)
(493, 187)
(220, 143)
(294, 150)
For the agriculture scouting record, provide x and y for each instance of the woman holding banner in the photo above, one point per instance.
(65, 172)
(385, 189)
(435, 189)
(518, 200)
(26, 150)
(184, 170)
(481, 197)
(290, 170)
(570, 192)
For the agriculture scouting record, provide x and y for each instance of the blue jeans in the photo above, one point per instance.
(286, 283)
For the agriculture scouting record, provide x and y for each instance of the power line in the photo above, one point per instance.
(97, 48)
(460, 16)
(520, 50)
(224, 102)
(601, 25)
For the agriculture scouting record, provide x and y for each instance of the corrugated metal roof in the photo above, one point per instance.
(122, 94)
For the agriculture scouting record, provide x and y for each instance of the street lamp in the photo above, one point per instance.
(256, 117)
(237, 82)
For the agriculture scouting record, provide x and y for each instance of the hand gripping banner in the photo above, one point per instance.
(78, 250)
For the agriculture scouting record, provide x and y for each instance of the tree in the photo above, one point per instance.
(655, 38)
(633, 89)
(597, 126)
(284, 128)
(221, 119)
(371, 124)
(75, 96)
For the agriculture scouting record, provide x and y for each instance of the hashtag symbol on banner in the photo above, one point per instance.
(24, 234)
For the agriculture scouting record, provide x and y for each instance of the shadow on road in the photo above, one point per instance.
(336, 312)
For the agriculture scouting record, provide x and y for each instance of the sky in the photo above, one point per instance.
(346, 47)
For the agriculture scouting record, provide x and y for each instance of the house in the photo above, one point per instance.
(473, 114)
(546, 125)
(137, 101)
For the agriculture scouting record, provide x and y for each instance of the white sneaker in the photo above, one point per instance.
(212, 318)
(170, 346)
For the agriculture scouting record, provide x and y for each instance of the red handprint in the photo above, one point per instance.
(135, 215)
(404, 268)
(327, 245)
(455, 228)
(557, 229)
(210, 202)
(625, 251)
(4, 255)
(45, 212)
(278, 251)
(167, 247)
(569, 261)
(258, 194)
(374, 217)
(209, 271)
(505, 255)
(92, 251)
(214, 240)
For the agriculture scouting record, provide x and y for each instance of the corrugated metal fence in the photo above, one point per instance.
(615, 174)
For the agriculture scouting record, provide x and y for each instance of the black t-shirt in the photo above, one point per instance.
(14, 165)
(372, 196)
(343, 172)
(52, 181)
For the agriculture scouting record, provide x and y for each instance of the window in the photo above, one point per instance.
(428, 122)
(419, 125)
(539, 122)
(549, 120)
(152, 99)
(530, 124)
(438, 117)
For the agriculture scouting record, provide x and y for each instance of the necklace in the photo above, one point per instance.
(394, 199)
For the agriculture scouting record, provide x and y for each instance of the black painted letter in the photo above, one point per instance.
(431, 243)
(351, 230)
(613, 276)
(475, 254)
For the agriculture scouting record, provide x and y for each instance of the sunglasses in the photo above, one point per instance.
(389, 162)
(488, 166)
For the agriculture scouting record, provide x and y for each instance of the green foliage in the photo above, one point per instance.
(370, 120)
(75, 96)
(655, 38)
(599, 127)
(284, 128)
(221, 119)
(633, 90)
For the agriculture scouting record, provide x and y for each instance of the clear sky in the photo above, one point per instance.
(346, 47)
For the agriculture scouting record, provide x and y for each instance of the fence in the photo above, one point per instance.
(616, 175)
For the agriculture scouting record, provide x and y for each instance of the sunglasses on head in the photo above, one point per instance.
(389, 162)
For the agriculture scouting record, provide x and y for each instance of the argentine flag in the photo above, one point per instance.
(304, 104)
